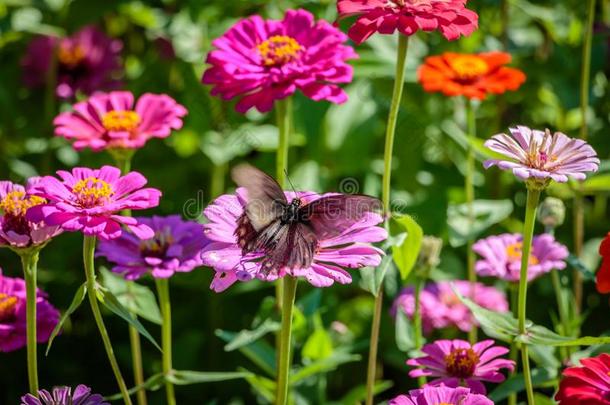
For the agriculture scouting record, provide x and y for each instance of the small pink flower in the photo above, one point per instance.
(456, 363)
(501, 256)
(450, 17)
(261, 61)
(112, 121)
(441, 395)
(89, 201)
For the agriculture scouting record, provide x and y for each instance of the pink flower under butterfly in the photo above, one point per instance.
(441, 395)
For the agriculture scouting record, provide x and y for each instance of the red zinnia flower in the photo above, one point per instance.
(587, 385)
(603, 275)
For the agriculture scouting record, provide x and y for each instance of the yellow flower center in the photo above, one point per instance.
(16, 203)
(121, 121)
(278, 50)
(515, 250)
(7, 306)
(158, 245)
(70, 55)
(91, 192)
(468, 66)
(461, 363)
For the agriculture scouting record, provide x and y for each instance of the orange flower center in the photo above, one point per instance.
(158, 245)
(7, 306)
(468, 66)
(461, 363)
(16, 203)
(118, 121)
(92, 192)
(278, 50)
(515, 250)
(450, 299)
(70, 55)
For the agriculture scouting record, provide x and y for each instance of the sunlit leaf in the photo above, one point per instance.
(259, 352)
(405, 254)
(187, 377)
(486, 213)
(76, 301)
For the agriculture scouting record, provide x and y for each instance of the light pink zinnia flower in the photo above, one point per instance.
(351, 249)
(440, 395)
(89, 201)
(111, 121)
(450, 17)
(456, 363)
(260, 61)
(441, 308)
(540, 156)
(501, 256)
(15, 230)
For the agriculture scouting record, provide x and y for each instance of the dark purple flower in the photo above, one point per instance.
(64, 396)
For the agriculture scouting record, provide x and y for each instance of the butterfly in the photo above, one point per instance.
(289, 232)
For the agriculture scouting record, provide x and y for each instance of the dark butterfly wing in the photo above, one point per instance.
(293, 246)
(265, 196)
(330, 216)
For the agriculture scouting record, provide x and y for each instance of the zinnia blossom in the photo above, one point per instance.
(176, 247)
(261, 61)
(501, 256)
(541, 157)
(351, 249)
(114, 121)
(87, 61)
(64, 396)
(450, 17)
(474, 76)
(441, 395)
(13, 302)
(587, 385)
(89, 200)
(603, 274)
(441, 308)
(456, 363)
(15, 230)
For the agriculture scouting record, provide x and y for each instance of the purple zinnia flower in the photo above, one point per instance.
(441, 307)
(15, 230)
(176, 247)
(87, 61)
(63, 396)
(540, 156)
(89, 200)
(351, 249)
(501, 256)
(456, 363)
(441, 395)
(13, 315)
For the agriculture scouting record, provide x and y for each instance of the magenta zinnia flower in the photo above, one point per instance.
(64, 396)
(113, 121)
(441, 308)
(260, 61)
(15, 230)
(539, 156)
(351, 249)
(450, 17)
(501, 256)
(176, 247)
(88, 61)
(89, 200)
(440, 395)
(456, 363)
(13, 315)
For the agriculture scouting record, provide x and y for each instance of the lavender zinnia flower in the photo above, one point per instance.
(501, 256)
(64, 396)
(456, 363)
(440, 395)
(351, 249)
(176, 247)
(539, 156)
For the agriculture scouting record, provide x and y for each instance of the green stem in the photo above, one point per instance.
(283, 377)
(470, 196)
(166, 336)
(533, 196)
(417, 322)
(563, 316)
(88, 256)
(217, 184)
(29, 262)
(514, 351)
(401, 58)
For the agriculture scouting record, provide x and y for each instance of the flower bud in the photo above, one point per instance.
(552, 212)
(429, 255)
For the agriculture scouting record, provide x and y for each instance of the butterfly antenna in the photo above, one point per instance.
(290, 181)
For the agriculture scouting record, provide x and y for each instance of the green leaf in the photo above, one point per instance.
(319, 345)
(372, 277)
(259, 352)
(405, 340)
(358, 395)
(578, 264)
(245, 337)
(153, 383)
(323, 366)
(597, 183)
(262, 386)
(76, 301)
(539, 335)
(516, 384)
(187, 377)
(405, 254)
(486, 214)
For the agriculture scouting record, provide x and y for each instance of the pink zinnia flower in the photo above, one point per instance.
(450, 17)
(89, 201)
(113, 121)
(351, 249)
(87, 61)
(260, 61)
(13, 315)
(15, 230)
(441, 395)
(456, 363)
(501, 256)
(441, 308)
(541, 157)
(586, 385)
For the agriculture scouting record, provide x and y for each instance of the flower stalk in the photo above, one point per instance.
(417, 322)
(283, 378)
(470, 197)
(166, 336)
(29, 262)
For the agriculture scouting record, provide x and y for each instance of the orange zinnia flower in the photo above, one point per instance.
(470, 75)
